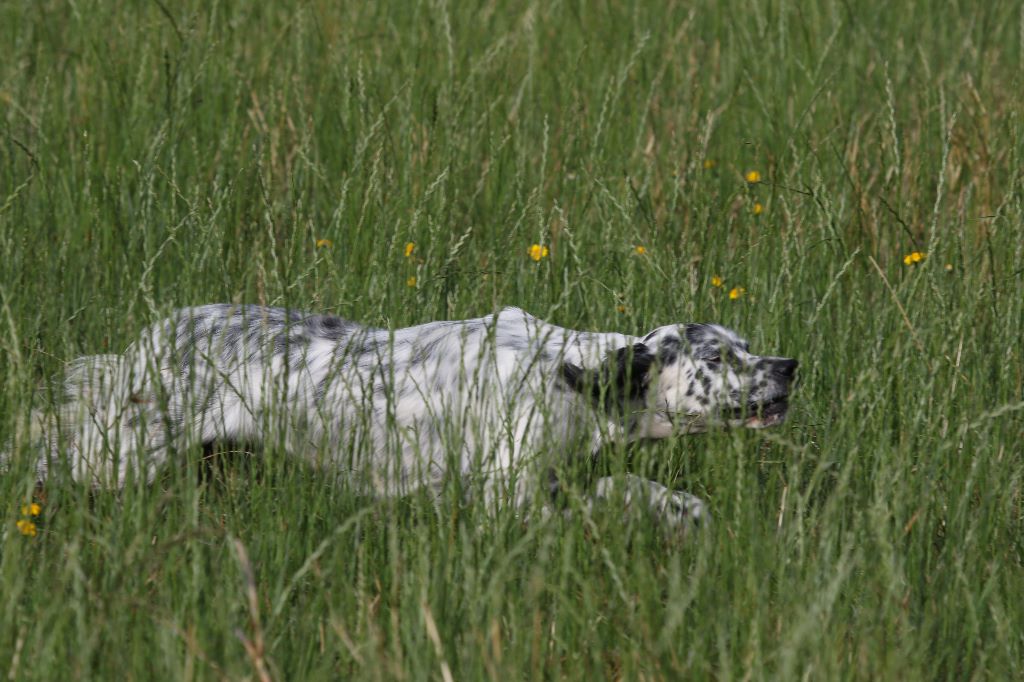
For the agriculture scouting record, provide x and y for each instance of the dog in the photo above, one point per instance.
(500, 401)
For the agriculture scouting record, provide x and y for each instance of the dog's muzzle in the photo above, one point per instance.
(771, 411)
(765, 414)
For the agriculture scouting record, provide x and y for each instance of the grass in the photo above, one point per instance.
(159, 155)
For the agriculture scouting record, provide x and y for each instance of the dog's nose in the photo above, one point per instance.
(787, 368)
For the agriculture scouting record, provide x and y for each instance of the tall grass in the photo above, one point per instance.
(156, 155)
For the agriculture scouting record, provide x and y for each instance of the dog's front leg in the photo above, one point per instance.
(674, 509)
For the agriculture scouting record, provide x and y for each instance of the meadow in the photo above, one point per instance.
(772, 166)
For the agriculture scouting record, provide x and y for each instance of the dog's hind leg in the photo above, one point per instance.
(108, 428)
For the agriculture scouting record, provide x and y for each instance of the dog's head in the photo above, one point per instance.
(687, 379)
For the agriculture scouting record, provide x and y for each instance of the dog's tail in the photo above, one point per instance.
(87, 433)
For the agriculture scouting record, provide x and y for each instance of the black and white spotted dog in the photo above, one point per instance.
(498, 400)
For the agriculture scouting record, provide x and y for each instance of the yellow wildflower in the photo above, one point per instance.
(32, 509)
(717, 281)
(753, 176)
(536, 252)
(736, 292)
(709, 164)
(913, 257)
(411, 282)
(320, 243)
(26, 527)
(409, 248)
(758, 208)
(640, 250)
(620, 308)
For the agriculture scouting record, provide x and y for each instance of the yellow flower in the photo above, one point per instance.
(320, 243)
(736, 292)
(32, 509)
(709, 164)
(758, 208)
(411, 282)
(753, 176)
(949, 267)
(620, 308)
(716, 281)
(536, 252)
(409, 248)
(913, 257)
(640, 250)
(26, 527)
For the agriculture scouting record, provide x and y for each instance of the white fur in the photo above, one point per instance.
(499, 400)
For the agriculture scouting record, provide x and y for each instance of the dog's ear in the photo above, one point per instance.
(622, 378)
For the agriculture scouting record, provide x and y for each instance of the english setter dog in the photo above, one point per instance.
(500, 400)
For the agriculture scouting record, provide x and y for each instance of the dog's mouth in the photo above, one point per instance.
(763, 414)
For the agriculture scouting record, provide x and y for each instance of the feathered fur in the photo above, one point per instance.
(491, 397)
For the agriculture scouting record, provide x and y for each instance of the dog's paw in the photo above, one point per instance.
(682, 511)
(673, 510)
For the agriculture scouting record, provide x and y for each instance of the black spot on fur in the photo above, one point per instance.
(329, 321)
(668, 350)
(622, 378)
(328, 327)
(289, 344)
(705, 381)
(697, 334)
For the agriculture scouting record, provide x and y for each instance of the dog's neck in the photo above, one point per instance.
(637, 423)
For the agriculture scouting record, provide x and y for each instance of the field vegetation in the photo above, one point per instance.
(842, 184)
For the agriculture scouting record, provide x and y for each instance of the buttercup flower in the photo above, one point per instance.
(26, 527)
(753, 176)
(31, 509)
(411, 282)
(320, 243)
(913, 257)
(409, 248)
(736, 292)
(536, 252)
(717, 281)
(640, 250)
(758, 208)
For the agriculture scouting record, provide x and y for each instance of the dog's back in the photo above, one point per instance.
(392, 405)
